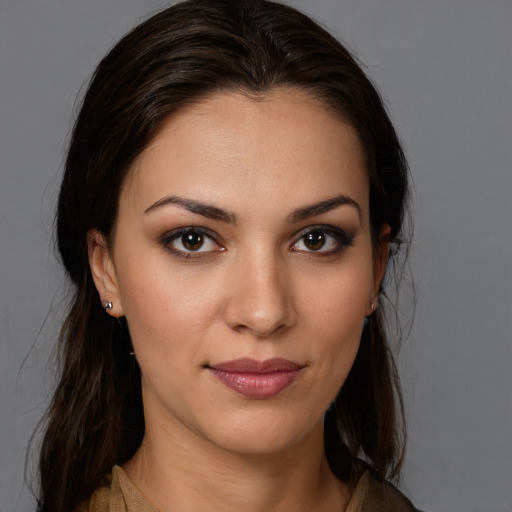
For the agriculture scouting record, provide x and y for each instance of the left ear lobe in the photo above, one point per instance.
(380, 258)
(103, 272)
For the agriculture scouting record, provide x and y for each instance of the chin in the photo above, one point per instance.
(267, 434)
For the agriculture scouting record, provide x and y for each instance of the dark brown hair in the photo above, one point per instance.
(176, 57)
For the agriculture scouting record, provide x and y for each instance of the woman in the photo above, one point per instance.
(232, 190)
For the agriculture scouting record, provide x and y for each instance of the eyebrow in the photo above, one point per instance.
(323, 207)
(206, 210)
(212, 212)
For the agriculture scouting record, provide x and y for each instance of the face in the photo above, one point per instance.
(242, 260)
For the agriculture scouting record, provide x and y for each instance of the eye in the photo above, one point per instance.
(322, 240)
(187, 242)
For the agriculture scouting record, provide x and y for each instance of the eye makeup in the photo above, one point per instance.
(322, 240)
(193, 242)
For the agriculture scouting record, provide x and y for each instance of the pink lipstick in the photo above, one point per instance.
(256, 379)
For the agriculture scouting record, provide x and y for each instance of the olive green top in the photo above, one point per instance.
(120, 495)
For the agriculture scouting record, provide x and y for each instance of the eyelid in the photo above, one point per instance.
(340, 236)
(174, 234)
(343, 239)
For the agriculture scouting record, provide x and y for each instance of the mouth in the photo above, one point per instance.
(256, 379)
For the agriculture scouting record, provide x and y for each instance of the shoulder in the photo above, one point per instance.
(98, 502)
(102, 498)
(118, 494)
(371, 494)
(384, 497)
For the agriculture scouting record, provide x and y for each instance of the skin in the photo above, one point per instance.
(254, 289)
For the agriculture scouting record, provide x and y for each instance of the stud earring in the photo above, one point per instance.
(373, 305)
(107, 305)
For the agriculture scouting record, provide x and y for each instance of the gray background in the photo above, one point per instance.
(445, 68)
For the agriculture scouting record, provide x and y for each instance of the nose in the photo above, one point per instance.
(259, 297)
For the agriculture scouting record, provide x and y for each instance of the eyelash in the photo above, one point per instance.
(341, 238)
(179, 233)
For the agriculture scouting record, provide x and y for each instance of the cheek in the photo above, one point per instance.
(333, 356)
(335, 345)
(165, 305)
(338, 299)
(333, 313)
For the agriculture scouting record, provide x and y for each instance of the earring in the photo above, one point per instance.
(107, 305)
(373, 305)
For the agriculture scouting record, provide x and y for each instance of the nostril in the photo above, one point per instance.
(260, 323)
(258, 299)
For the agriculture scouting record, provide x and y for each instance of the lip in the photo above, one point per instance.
(256, 379)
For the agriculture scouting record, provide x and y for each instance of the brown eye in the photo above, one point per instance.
(322, 240)
(192, 241)
(314, 240)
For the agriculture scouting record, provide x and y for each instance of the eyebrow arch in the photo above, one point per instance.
(323, 207)
(206, 210)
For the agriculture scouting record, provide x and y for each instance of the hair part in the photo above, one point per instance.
(179, 56)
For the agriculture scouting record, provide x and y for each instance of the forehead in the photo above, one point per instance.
(238, 148)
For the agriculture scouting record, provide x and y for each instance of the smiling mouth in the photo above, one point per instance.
(256, 379)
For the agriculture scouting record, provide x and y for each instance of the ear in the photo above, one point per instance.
(103, 271)
(380, 261)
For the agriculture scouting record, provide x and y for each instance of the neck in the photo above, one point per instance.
(188, 473)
